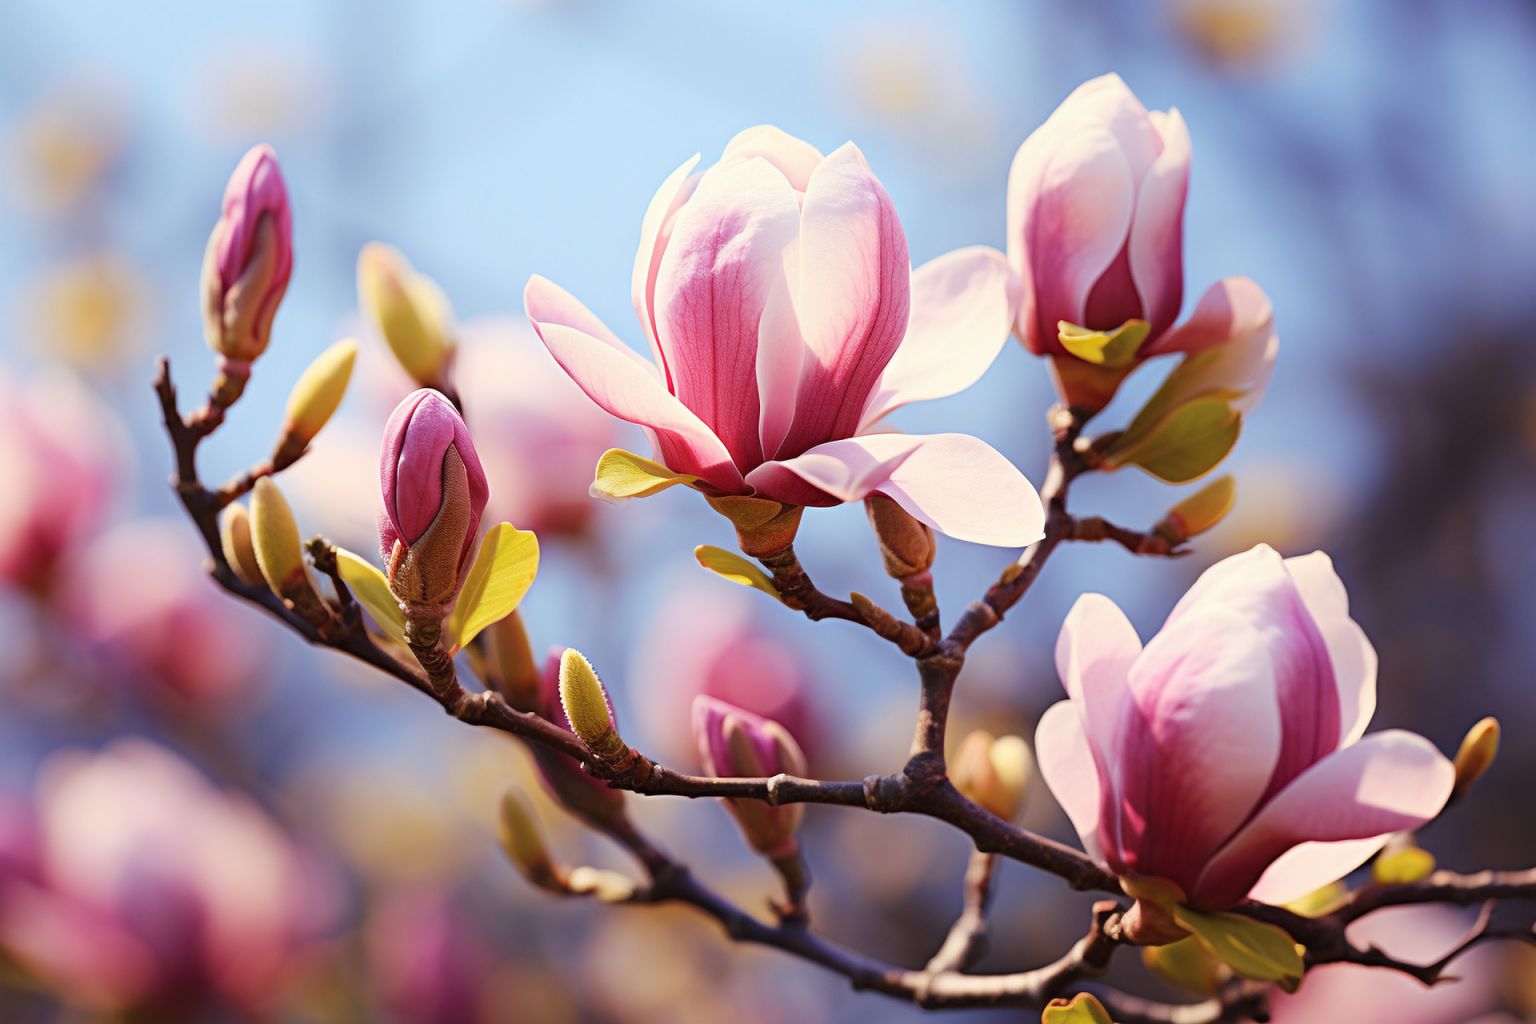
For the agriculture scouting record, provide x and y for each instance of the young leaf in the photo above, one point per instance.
(1403, 866)
(371, 589)
(1080, 1009)
(1252, 948)
(735, 568)
(622, 474)
(1190, 442)
(503, 571)
(1114, 349)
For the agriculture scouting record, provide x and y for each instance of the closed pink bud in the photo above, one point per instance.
(571, 785)
(786, 321)
(738, 744)
(1227, 755)
(248, 261)
(434, 493)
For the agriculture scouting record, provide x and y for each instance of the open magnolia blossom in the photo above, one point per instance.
(786, 323)
(1226, 756)
(1096, 234)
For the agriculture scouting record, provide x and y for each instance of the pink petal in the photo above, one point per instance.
(963, 305)
(781, 356)
(852, 297)
(1157, 233)
(794, 158)
(955, 483)
(1062, 751)
(1388, 782)
(1079, 223)
(655, 231)
(1257, 586)
(1353, 656)
(625, 385)
(1197, 744)
(1232, 308)
(725, 256)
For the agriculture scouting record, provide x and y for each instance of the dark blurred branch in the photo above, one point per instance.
(966, 942)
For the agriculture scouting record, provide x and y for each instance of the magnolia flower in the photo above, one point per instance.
(144, 890)
(785, 324)
(1095, 233)
(1226, 756)
(434, 492)
(139, 597)
(62, 460)
(248, 261)
(738, 744)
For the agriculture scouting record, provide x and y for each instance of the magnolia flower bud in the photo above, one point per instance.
(246, 268)
(409, 310)
(523, 843)
(235, 538)
(1199, 512)
(1476, 754)
(994, 772)
(906, 545)
(579, 792)
(279, 553)
(313, 399)
(738, 744)
(586, 707)
(434, 494)
(508, 663)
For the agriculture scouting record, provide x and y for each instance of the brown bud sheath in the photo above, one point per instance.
(906, 545)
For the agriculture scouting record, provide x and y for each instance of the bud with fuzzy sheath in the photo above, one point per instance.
(409, 310)
(906, 545)
(523, 843)
(279, 552)
(738, 744)
(579, 792)
(434, 494)
(994, 772)
(1476, 754)
(246, 268)
(586, 706)
(314, 398)
(235, 538)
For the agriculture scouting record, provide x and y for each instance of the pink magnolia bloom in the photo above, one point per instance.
(786, 323)
(1227, 755)
(538, 436)
(1096, 234)
(249, 258)
(434, 492)
(147, 890)
(738, 744)
(62, 458)
(139, 597)
(426, 965)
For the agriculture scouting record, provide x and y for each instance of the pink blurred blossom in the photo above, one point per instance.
(62, 458)
(785, 323)
(143, 888)
(1227, 755)
(424, 962)
(139, 596)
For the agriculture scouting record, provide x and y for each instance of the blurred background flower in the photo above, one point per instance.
(1369, 164)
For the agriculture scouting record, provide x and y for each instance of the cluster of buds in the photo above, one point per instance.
(434, 492)
(246, 269)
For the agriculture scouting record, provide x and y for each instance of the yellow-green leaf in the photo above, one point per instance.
(1252, 948)
(1186, 965)
(1319, 902)
(735, 568)
(503, 571)
(1403, 866)
(1080, 1009)
(1113, 349)
(622, 474)
(1188, 443)
(371, 589)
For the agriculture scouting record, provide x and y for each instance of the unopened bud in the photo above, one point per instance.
(1199, 512)
(246, 268)
(906, 545)
(434, 492)
(523, 843)
(734, 743)
(313, 399)
(279, 553)
(994, 773)
(235, 538)
(586, 707)
(576, 789)
(1476, 754)
(509, 666)
(409, 310)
